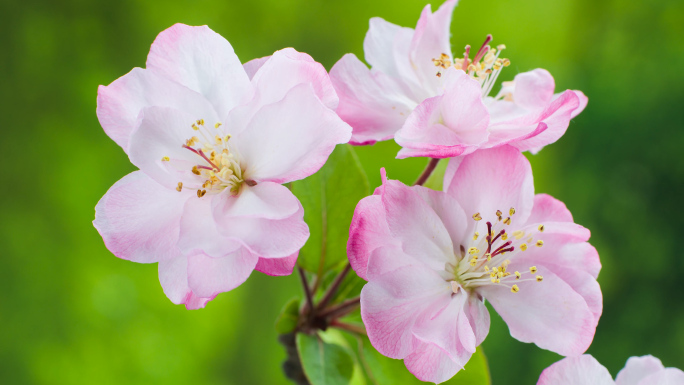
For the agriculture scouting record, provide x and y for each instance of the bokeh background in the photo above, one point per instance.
(72, 313)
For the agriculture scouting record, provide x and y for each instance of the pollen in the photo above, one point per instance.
(541, 228)
(507, 221)
(533, 269)
(539, 278)
(477, 217)
(180, 186)
(217, 125)
(499, 213)
(475, 236)
(523, 247)
(473, 250)
(540, 243)
(511, 212)
(504, 236)
(517, 275)
(195, 170)
(515, 289)
(201, 193)
(166, 159)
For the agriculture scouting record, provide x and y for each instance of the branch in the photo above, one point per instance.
(333, 288)
(428, 171)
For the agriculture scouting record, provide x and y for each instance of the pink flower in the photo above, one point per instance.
(214, 141)
(585, 370)
(418, 93)
(431, 258)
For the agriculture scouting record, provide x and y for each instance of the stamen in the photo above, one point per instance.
(475, 236)
(511, 212)
(539, 278)
(541, 228)
(200, 193)
(180, 186)
(477, 217)
(540, 243)
(523, 247)
(515, 289)
(533, 269)
(165, 159)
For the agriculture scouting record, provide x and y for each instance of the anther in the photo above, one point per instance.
(200, 193)
(533, 269)
(477, 217)
(475, 236)
(180, 186)
(473, 250)
(523, 247)
(517, 275)
(488, 256)
(165, 159)
(511, 211)
(499, 213)
(539, 278)
(217, 125)
(507, 221)
(541, 228)
(504, 236)
(540, 243)
(515, 289)
(195, 170)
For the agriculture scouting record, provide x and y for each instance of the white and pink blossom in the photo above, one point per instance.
(437, 105)
(214, 141)
(432, 258)
(585, 370)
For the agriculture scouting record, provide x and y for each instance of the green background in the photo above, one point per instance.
(72, 313)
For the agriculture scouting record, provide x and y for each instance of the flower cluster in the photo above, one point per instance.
(215, 141)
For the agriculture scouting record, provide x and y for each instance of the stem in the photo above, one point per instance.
(349, 327)
(428, 171)
(333, 288)
(342, 309)
(309, 307)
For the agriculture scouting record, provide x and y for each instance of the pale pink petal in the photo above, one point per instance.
(533, 89)
(452, 122)
(391, 303)
(265, 200)
(209, 276)
(386, 259)
(490, 180)
(549, 209)
(549, 313)
(162, 133)
(478, 316)
(371, 102)
(203, 61)
(430, 40)
(277, 266)
(199, 233)
(582, 370)
(431, 364)
(252, 66)
(139, 219)
(583, 100)
(447, 327)
(288, 68)
(668, 376)
(290, 139)
(413, 222)
(267, 238)
(120, 103)
(173, 276)
(367, 232)
(448, 210)
(638, 368)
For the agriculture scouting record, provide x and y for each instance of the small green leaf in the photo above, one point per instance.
(324, 363)
(381, 370)
(329, 198)
(288, 317)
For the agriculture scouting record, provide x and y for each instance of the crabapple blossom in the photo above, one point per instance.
(214, 141)
(437, 105)
(585, 370)
(432, 258)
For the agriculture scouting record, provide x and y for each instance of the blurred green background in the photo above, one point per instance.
(72, 313)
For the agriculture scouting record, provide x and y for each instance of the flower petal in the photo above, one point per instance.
(549, 209)
(371, 102)
(638, 368)
(290, 139)
(265, 200)
(139, 219)
(288, 68)
(490, 180)
(668, 376)
(173, 276)
(582, 370)
(533, 89)
(277, 266)
(267, 238)
(550, 314)
(199, 233)
(391, 303)
(478, 315)
(120, 103)
(203, 61)
(431, 364)
(448, 210)
(252, 66)
(367, 232)
(208, 276)
(430, 41)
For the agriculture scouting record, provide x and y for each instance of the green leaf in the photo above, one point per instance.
(381, 370)
(329, 198)
(288, 317)
(324, 363)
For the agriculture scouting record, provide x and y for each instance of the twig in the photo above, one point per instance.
(333, 288)
(342, 309)
(349, 327)
(427, 172)
(309, 307)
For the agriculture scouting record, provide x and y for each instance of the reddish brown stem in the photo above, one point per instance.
(427, 172)
(333, 288)
(341, 309)
(349, 327)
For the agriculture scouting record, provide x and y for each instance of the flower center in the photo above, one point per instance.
(484, 67)
(486, 260)
(217, 164)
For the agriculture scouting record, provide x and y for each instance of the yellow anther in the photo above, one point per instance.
(539, 278)
(200, 122)
(498, 280)
(473, 262)
(523, 247)
(541, 228)
(517, 275)
(217, 125)
(518, 234)
(533, 269)
(506, 62)
(194, 127)
(500, 274)
(511, 211)
(475, 236)
(488, 256)
(195, 170)
(473, 250)
(477, 217)
(499, 213)
(180, 186)
(166, 159)
(507, 221)
(219, 140)
(540, 243)
(501, 46)
(515, 289)
(495, 270)
(227, 138)
(493, 280)
(200, 193)
(486, 268)
(504, 236)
